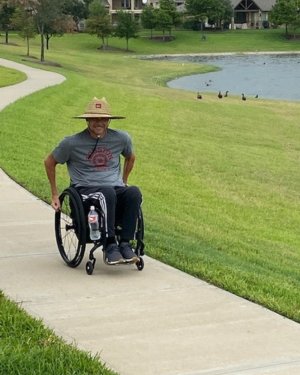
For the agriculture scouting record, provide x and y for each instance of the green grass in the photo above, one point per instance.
(10, 76)
(190, 42)
(235, 41)
(220, 179)
(27, 347)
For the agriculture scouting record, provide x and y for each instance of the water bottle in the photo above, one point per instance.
(93, 220)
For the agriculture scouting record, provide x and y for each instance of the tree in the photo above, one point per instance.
(78, 9)
(24, 22)
(198, 9)
(219, 12)
(214, 11)
(286, 12)
(99, 21)
(45, 13)
(6, 13)
(148, 18)
(126, 27)
(169, 8)
(163, 21)
(58, 27)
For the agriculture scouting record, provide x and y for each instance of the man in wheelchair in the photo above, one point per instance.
(93, 161)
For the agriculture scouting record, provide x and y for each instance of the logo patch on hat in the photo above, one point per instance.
(98, 105)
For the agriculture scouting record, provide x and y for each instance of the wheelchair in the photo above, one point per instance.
(72, 231)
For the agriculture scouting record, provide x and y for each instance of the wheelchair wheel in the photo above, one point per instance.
(139, 235)
(140, 264)
(89, 267)
(70, 227)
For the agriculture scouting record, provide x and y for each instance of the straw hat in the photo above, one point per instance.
(98, 108)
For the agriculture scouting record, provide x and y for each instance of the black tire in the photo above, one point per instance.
(139, 244)
(140, 228)
(89, 267)
(70, 227)
(140, 264)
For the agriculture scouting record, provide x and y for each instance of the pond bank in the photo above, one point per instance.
(266, 75)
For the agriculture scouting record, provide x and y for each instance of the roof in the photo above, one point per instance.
(264, 5)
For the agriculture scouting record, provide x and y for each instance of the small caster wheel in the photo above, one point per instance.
(140, 264)
(89, 267)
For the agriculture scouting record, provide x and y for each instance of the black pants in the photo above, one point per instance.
(123, 205)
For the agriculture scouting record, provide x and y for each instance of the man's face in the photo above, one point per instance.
(97, 126)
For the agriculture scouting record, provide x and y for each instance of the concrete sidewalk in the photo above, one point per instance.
(159, 321)
(37, 79)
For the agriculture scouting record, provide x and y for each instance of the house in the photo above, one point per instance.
(246, 13)
(251, 14)
(135, 7)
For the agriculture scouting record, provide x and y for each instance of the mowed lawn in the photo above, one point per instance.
(10, 76)
(220, 179)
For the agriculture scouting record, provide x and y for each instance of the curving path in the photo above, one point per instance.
(37, 79)
(156, 322)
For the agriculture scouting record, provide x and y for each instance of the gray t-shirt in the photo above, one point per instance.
(90, 166)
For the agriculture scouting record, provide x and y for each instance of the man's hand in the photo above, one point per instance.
(55, 203)
(50, 164)
(127, 167)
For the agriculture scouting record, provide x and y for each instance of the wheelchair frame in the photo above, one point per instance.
(72, 232)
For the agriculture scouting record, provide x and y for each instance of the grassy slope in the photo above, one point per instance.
(10, 76)
(220, 178)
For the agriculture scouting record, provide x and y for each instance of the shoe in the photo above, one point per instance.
(113, 255)
(127, 253)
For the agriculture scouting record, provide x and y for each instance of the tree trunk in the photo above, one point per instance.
(47, 41)
(103, 43)
(27, 41)
(42, 47)
(6, 36)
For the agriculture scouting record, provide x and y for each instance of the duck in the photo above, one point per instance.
(199, 96)
(220, 96)
(244, 97)
(226, 94)
(256, 96)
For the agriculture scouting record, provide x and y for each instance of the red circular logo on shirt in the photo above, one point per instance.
(100, 158)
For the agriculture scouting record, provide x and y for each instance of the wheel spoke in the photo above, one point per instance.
(70, 229)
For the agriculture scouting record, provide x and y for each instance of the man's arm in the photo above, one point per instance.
(50, 164)
(127, 167)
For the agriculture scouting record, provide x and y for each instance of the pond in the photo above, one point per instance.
(270, 76)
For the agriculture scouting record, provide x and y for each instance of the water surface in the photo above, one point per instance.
(274, 76)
